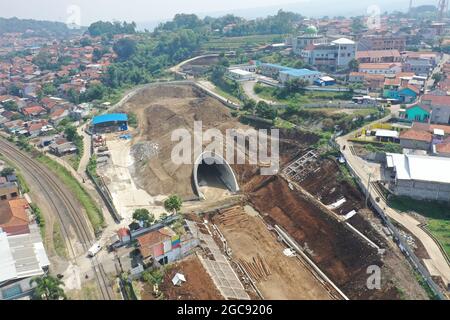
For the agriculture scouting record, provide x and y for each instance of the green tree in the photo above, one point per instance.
(437, 77)
(14, 90)
(153, 277)
(143, 216)
(11, 105)
(7, 171)
(353, 65)
(264, 110)
(295, 85)
(173, 204)
(84, 42)
(48, 288)
(125, 48)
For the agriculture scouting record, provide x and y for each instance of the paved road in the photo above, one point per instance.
(249, 89)
(437, 264)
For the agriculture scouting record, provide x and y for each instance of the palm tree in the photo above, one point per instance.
(48, 288)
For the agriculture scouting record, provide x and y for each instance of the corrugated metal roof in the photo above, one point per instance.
(421, 168)
(109, 118)
(7, 265)
(22, 256)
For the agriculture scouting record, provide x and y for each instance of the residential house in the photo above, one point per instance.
(164, 246)
(33, 111)
(418, 113)
(62, 148)
(8, 191)
(416, 139)
(378, 56)
(14, 216)
(58, 114)
(380, 68)
(373, 82)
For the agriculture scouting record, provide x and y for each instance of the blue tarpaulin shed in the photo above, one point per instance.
(113, 117)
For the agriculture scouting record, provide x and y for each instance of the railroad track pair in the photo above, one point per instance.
(63, 205)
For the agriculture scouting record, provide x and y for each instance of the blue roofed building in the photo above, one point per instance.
(301, 74)
(284, 74)
(110, 123)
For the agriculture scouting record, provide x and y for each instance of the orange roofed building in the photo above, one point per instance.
(14, 218)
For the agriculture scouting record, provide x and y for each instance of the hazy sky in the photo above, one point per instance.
(157, 10)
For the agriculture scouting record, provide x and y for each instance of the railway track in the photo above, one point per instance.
(64, 206)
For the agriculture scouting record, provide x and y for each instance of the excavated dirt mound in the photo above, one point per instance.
(160, 111)
(342, 255)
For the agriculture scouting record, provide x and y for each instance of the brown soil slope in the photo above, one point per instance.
(160, 111)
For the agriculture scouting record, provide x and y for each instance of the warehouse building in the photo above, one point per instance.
(110, 123)
(419, 177)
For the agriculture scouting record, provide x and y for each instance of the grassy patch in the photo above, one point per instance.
(94, 213)
(58, 241)
(226, 95)
(345, 175)
(437, 214)
(384, 147)
(283, 124)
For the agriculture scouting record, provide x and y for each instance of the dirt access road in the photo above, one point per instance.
(58, 203)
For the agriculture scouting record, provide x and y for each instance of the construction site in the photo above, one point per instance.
(303, 233)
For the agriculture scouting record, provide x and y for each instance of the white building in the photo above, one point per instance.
(380, 68)
(336, 54)
(240, 75)
(420, 177)
(22, 257)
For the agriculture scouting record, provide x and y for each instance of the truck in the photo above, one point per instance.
(94, 250)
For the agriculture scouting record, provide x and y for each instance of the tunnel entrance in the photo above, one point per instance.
(213, 177)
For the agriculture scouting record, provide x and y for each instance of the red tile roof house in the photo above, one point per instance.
(58, 114)
(34, 129)
(33, 111)
(416, 139)
(14, 218)
(164, 246)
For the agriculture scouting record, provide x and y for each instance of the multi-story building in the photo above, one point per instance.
(420, 66)
(382, 42)
(336, 54)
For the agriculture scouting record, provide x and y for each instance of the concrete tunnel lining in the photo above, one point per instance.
(227, 175)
